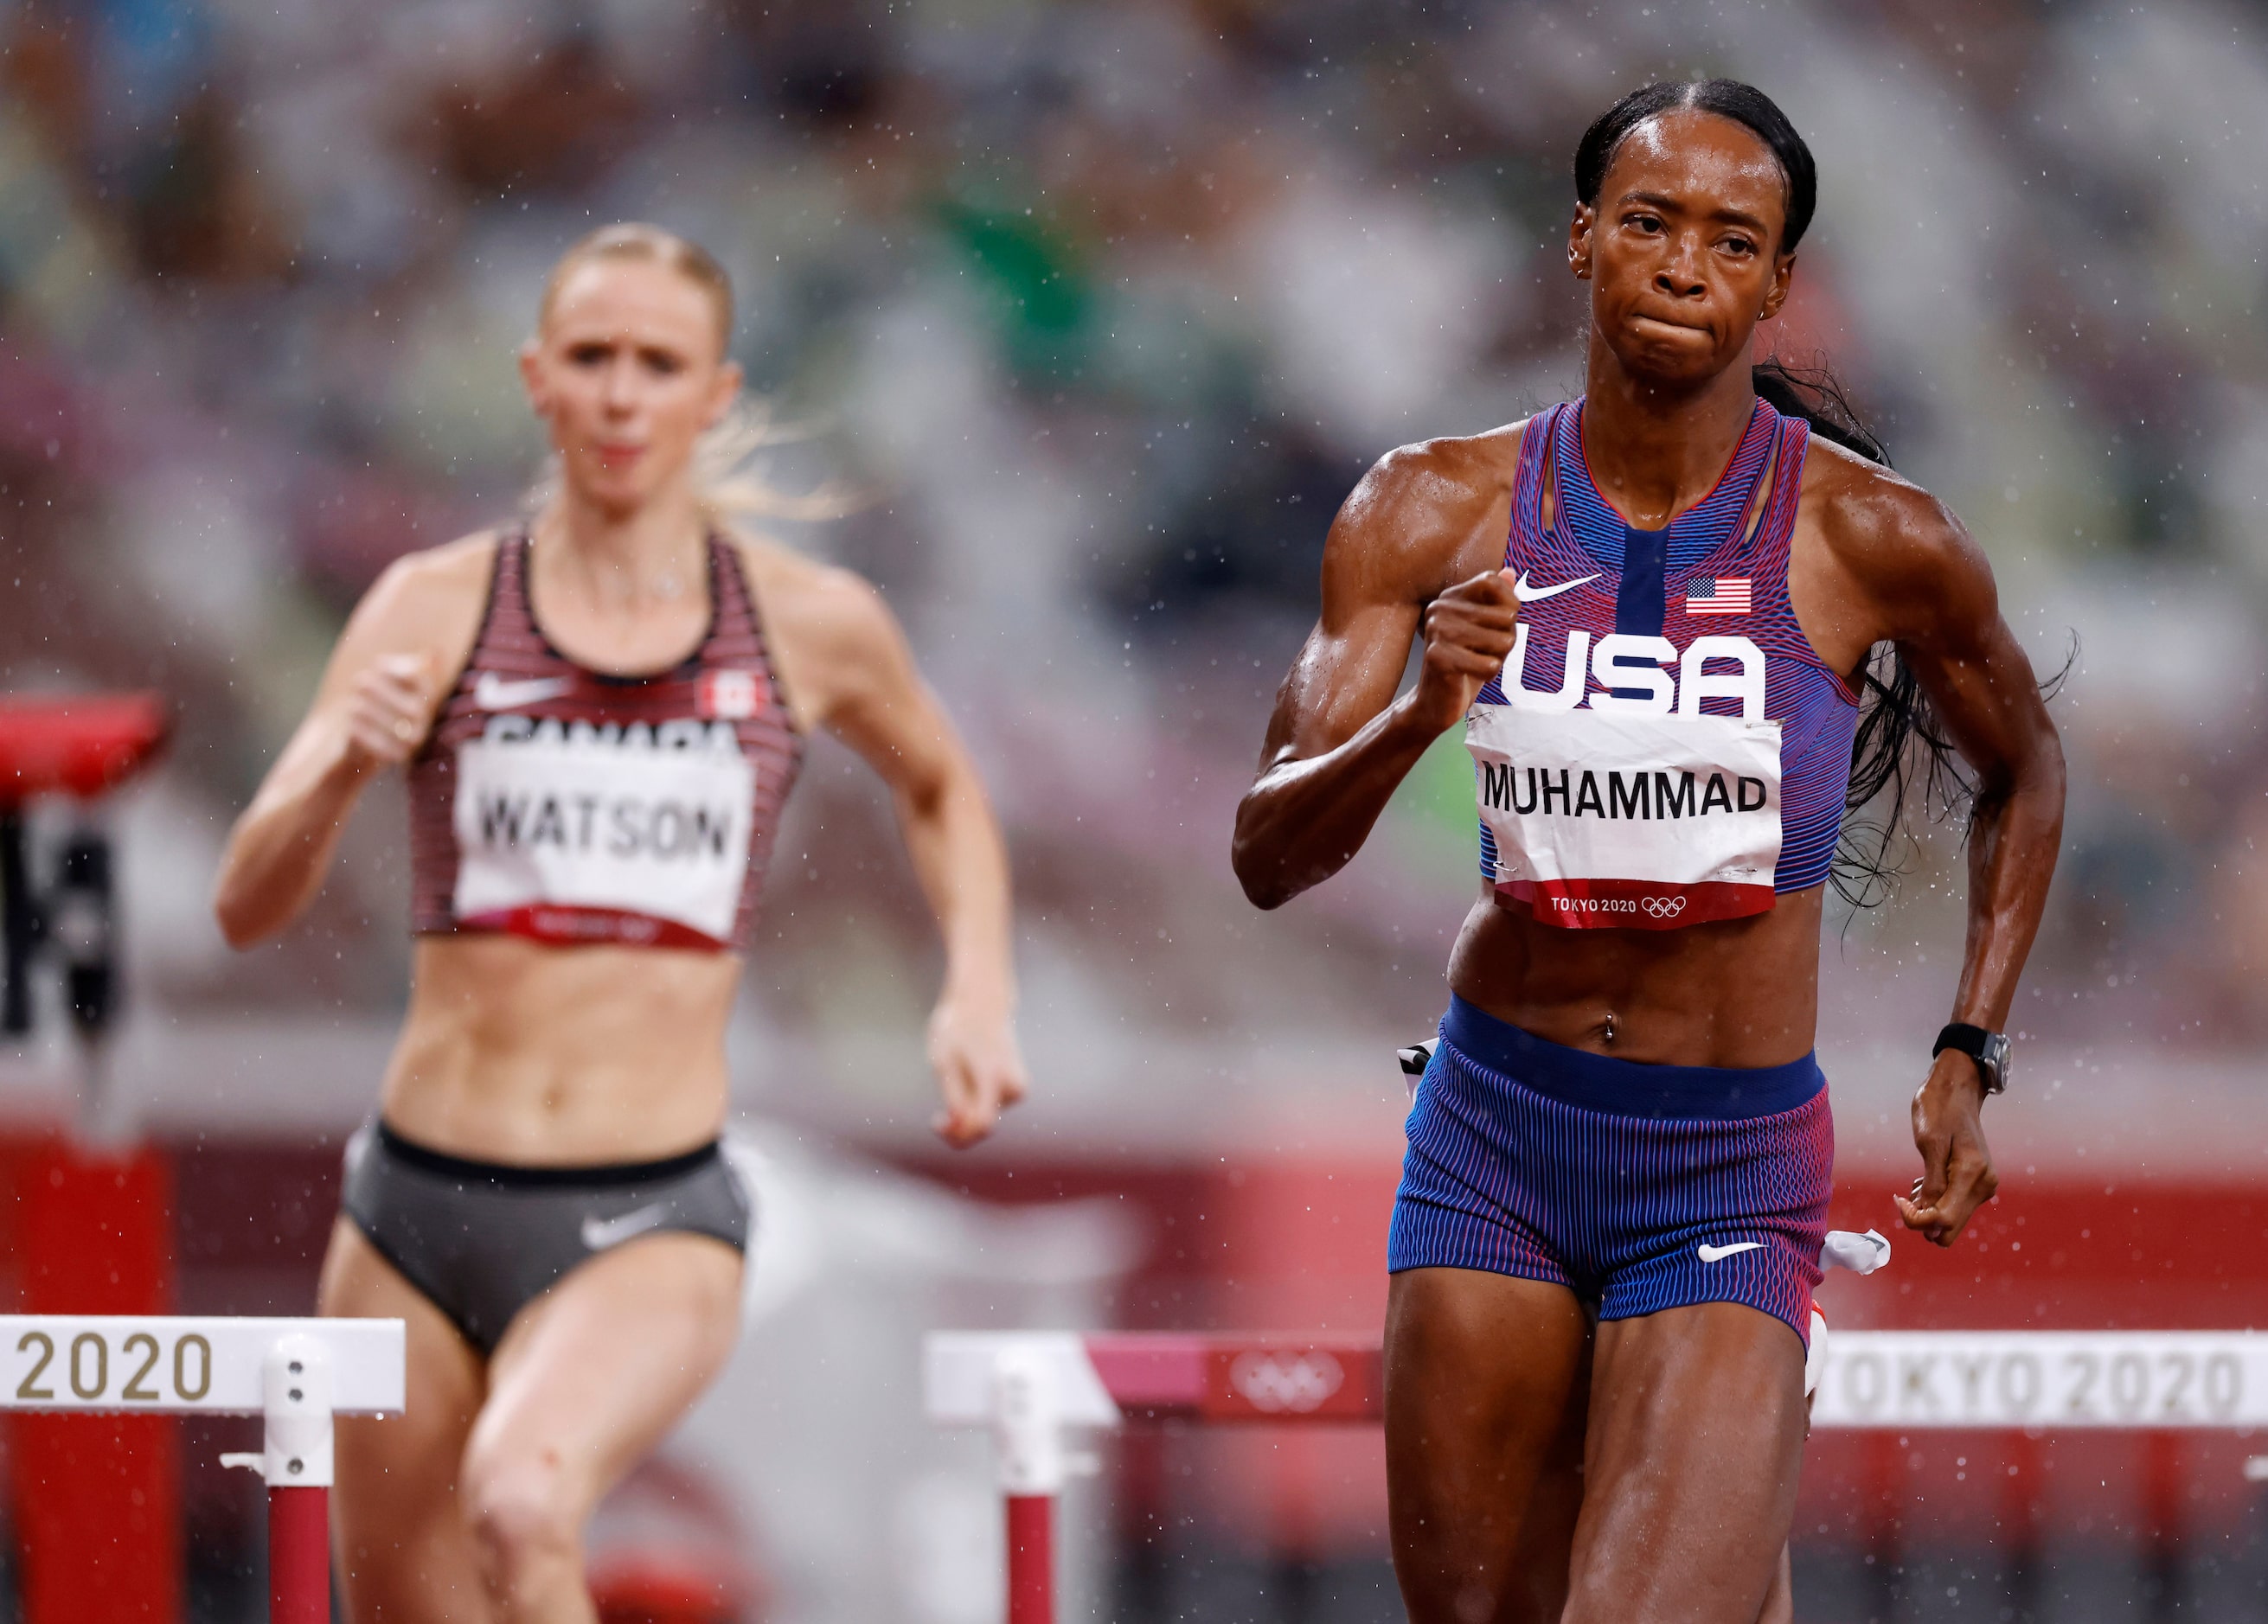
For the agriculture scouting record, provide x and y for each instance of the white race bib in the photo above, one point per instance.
(1628, 819)
(607, 823)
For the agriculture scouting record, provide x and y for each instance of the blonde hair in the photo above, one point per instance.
(724, 479)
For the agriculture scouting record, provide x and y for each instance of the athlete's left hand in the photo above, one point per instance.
(1957, 1165)
(980, 1070)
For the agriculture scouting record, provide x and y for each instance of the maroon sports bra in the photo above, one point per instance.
(563, 803)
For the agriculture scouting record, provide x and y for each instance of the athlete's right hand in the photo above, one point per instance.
(1469, 635)
(389, 711)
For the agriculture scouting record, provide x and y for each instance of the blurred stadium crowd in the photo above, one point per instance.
(1100, 309)
(1096, 310)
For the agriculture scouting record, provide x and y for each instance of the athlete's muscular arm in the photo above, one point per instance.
(1925, 585)
(845, 667)
(376, 701)
(1340, 741)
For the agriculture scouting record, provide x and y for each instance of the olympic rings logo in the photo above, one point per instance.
(1665, 908)
(1278, 1384)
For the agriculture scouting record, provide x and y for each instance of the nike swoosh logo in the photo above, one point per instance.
(1711, 1255)
(491, 692)
(598, 1234)
(1525, 593)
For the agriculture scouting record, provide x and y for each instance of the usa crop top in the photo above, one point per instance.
(1663, 746)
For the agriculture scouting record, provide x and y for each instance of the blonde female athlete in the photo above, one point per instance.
(601, 712)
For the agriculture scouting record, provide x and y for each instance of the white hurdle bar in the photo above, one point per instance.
(295, 1373)
(1035, 1390)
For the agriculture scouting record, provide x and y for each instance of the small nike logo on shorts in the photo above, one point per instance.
(1711, 1255)
(491, 692)
(598, 1234)
(1525, 593)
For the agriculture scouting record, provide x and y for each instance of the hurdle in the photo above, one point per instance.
(297, 1374)
(1038, 1391)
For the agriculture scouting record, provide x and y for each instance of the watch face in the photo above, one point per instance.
(1995, 1060)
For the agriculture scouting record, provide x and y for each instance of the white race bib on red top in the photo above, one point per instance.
(1631, 820)
(614, 834)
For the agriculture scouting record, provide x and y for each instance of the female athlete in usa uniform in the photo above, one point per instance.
(1651, 610)
(601, 712)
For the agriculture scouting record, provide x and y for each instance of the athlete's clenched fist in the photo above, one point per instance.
(1469, 635)
(389, 711)
(979, 1067)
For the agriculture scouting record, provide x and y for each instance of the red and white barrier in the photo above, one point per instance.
(295, 1373)
(94, 1221)
(1035, 1390)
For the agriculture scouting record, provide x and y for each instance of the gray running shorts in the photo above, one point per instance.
(482, 1239)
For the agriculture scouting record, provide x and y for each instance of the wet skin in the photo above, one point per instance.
(1538, 1468)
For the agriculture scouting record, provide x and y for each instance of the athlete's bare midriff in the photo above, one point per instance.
(524, 1052)
(1738, 992)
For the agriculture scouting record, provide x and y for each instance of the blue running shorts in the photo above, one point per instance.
(1637, 1187)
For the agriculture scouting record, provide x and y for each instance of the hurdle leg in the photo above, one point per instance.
(1029, 1428)
(298, 1556)
(1031, 1559)
(296, 1385)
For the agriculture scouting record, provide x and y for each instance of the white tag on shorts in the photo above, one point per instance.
(653, 823)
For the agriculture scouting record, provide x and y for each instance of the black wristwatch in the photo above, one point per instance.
(1988, 1049)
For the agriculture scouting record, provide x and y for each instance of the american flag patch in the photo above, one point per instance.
(1722, 594)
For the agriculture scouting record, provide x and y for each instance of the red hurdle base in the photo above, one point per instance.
(1031, 1559)
(299, 1555)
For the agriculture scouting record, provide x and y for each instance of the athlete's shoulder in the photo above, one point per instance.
(1449, 471)
(434, 593)
(1426, 515)
(833, 639)
(806, 596)
(1893, 537)
(428, 602)
(458, 567)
